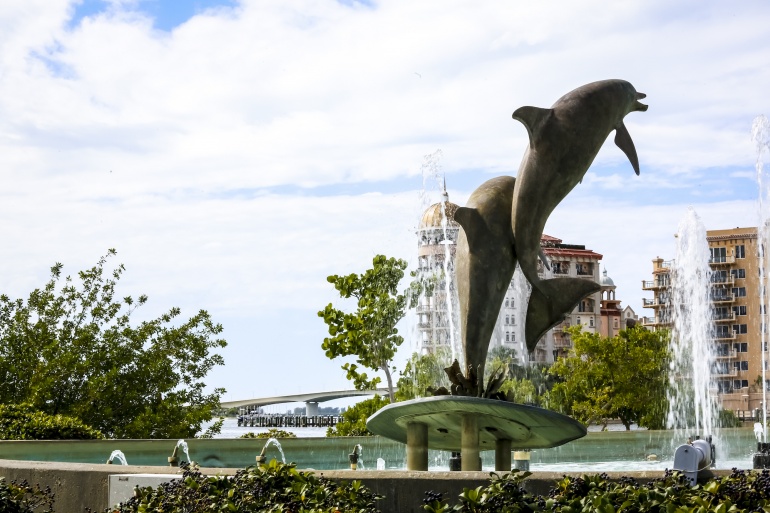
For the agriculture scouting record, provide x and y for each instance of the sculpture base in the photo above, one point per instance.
(470, 425)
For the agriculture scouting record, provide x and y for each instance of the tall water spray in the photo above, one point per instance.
(760, 135)
(436, 267)
(692, 407)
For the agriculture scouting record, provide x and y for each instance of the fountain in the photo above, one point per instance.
(119, 455)
(270, 441)
(692, 408)
(502, 226)
(173, 460)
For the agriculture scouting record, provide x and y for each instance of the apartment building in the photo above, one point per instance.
(735, 305)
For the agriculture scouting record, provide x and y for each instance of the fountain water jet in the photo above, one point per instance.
(271, 441)
(119, 455)
(760, 135)
(692, 408)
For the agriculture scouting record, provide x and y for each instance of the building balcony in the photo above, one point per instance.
(728, 280)
(653, 322)
(725, 336)
(720, 261)
(652, 303)
(654, 284)
(722, 299)
(724, 373)
(726, 355)
(424, 308)
(725, 317)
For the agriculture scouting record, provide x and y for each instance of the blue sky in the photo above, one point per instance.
(236, 153)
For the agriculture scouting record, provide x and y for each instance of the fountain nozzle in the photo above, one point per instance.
(353, 458)
(173, 460)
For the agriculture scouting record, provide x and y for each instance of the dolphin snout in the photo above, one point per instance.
(640, 106)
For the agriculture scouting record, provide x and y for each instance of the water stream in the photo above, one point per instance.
(692, 406)
(760, 135)
(276, 443)
(119, 455)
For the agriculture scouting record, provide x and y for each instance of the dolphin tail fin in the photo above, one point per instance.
(471, 221)
(624, 142)
(550, 301)
(533, 118)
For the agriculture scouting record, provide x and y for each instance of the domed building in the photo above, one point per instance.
(436, 245)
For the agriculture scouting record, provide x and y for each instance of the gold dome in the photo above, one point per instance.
(434, 214)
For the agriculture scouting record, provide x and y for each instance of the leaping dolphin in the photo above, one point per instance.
(484, 265)
(563, 142)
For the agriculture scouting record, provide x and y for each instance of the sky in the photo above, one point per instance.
(236, 153)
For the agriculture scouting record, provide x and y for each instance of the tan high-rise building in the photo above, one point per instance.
(735, 303)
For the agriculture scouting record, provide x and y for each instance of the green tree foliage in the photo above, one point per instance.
(270, 433)
(22, 422)
(526, 384)
(369, 333)
(623, 377)
(353, 421)
(72, 349)
(422, 372)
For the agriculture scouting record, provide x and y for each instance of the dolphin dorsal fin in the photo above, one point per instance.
(471, 221)
(624, 142)
(533, 118)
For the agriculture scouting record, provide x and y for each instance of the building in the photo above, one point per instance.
(436, 244)
(736, 313)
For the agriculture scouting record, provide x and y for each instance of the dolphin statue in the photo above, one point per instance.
(563, 142)
(484, 265)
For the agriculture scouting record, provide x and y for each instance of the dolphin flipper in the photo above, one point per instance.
(550, 301)
(533, 118)
(472, 223)
(624, 142)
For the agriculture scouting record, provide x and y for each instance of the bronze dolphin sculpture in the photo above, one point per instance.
(563, 142)
(484, 265)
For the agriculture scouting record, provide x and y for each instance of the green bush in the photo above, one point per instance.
(274, 487)
(353, 421)
(728, 419)
(270, 433)
(741, 491)
(23, 498)
(22, 422)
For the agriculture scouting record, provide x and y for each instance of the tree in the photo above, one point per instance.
(369, 333)
(353, 422)
(623, 377)
(421, 373)
(71, 349)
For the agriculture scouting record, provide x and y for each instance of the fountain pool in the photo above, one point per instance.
(596, 452)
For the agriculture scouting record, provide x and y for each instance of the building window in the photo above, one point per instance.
(741, 383)
(740, 251)
(513, 337)
(615, 323)
(739, 291)
(506, 303)
(591, 322)
(742, 347)
(718, 254)
(739, 310)
(577, 321)
(743, 365)
(738, 274)
(507, 336)
(740, 329)
(507, 319)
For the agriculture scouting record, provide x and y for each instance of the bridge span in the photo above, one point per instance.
(311, 399)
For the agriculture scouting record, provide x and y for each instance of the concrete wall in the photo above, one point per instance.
(80, 485)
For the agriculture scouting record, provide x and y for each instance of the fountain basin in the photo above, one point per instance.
(527, 427)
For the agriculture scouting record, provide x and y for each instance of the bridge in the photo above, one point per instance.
(311, 399)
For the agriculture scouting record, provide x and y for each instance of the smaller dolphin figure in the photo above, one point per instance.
(484, 265)
(563, 142)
